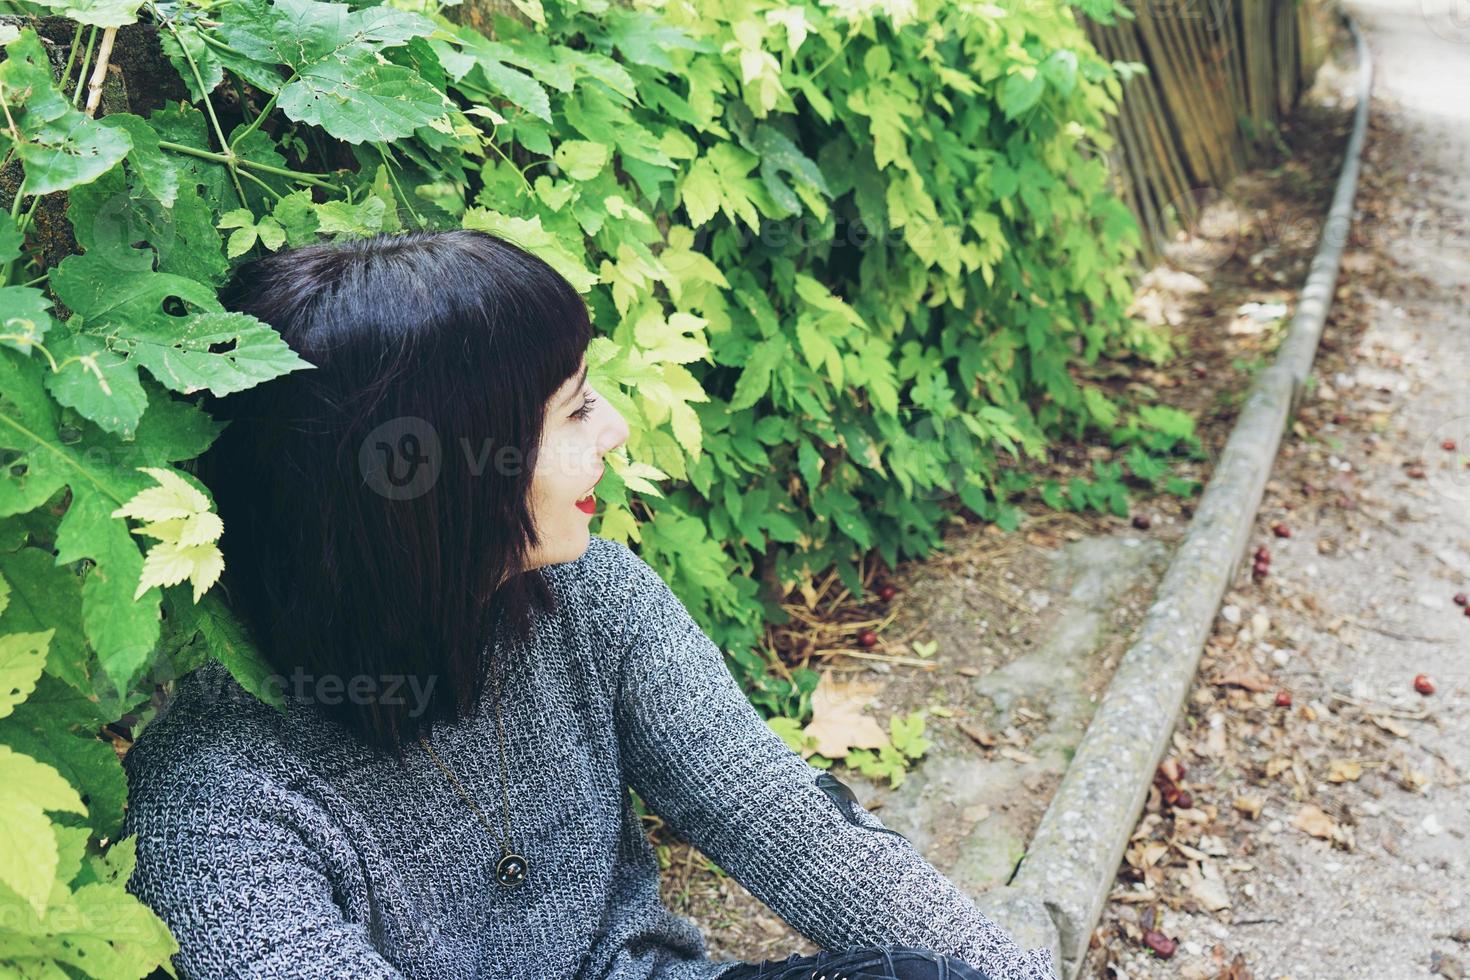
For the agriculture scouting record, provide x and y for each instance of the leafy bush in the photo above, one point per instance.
(842, 257)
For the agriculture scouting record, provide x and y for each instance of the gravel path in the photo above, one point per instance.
(1330, 837)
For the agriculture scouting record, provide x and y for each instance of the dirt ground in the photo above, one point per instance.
(1253, 248)
(1312, 820)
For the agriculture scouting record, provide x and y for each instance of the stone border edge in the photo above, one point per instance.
(1058, 895)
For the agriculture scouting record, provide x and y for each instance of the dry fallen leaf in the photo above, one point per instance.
(1251, 680)
(1312, 820)
(838, 722)
(1390, 725)
(980, 735)
(1344, 771)
(1208, 888)
(1249, 805)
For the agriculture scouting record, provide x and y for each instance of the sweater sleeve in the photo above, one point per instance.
(702, 758)
(224, 860)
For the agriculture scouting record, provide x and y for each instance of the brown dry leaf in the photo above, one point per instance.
(1389, 725)
(1249, 805)
(1312, 820)
(1134, 898)
(838, 722)
(1276, 767)
(1016, 755)
(1344, 771)
(1251, 680)
(1207, 887)
(980, 735)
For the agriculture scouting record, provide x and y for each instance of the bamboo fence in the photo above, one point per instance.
(1221, 76)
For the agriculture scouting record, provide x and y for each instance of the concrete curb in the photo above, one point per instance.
(1059, 893)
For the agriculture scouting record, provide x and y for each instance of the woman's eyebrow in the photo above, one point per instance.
(575, 388)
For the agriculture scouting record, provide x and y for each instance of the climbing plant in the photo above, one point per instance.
(844, 259)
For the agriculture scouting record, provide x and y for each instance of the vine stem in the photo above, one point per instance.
(385, 153)
(20, 191)
(316, 180)
(76, 93)
(259, 116)
(94, 87)
(269, 189)
(228, 158)
(71, 55)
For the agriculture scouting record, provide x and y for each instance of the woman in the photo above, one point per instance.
(407, 538)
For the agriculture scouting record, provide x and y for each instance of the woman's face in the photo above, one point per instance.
(580, 429)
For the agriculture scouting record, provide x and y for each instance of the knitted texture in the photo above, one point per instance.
(277, 845)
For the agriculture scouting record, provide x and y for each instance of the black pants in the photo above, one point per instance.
(871, 963)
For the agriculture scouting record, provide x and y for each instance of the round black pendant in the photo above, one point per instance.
(511, 870)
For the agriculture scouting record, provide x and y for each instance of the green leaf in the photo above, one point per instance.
(529, 234)
(755, 380)
(22, 659)
(60, 147)
(28, 854)
(99, 383)
(11, 239)
(357, 100)
(1021, 91)
(180, 351)
(779, 155)
(519, 88)
(226, 641)
(58, 725)
(101, 474)
(24, 317)
(645, 37)
(98, 13)
(206, 59)
(339, 80)
(1060, 69)
(48, 598)
(154, 167)
(580, 159)
(242, 241)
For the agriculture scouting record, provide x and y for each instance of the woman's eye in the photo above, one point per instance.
(586, 408)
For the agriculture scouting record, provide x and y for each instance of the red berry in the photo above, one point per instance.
(1448, 445)
(1339, 418)
(887, 591)
(1185, 801)
(1283, 699)
(1461, 598)
(1423, 684)
(1161, 944)
(1415, 472)
(1263, 554)
(1467, 610)
(1280, 530)
(1142, 522)
(867, 638)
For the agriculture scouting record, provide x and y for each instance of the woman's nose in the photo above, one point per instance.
(616, 434)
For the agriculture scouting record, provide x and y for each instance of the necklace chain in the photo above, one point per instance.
(506, 850)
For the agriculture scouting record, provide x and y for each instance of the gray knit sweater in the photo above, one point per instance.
(278, 846)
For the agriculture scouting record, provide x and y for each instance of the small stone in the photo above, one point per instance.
(1431, 825)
